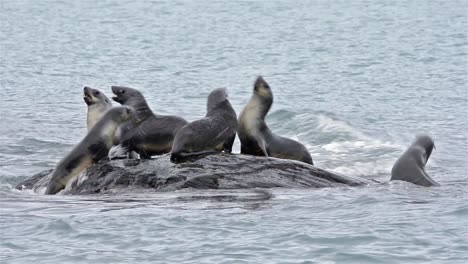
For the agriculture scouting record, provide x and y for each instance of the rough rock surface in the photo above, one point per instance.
(218, 171)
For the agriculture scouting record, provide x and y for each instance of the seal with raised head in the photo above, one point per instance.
(146, 133)
(410, 166)
(213, 133)
(255, 136)
(98, 105)
(92, 148)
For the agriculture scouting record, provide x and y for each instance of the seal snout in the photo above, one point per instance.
(87, 95)
(120, 93)
(259, 80)
(262, 88)
(261, 83)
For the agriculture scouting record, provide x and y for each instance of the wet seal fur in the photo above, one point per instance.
(255, 136)
(213, 133)
(146, 133)
(93, 148)
(98, 105)
(410, 166)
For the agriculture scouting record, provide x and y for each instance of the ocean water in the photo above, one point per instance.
(355, 81)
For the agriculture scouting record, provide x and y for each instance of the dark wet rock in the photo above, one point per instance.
(31, 182)
(219, 171)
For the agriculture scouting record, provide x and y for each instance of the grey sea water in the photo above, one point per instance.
(355, 81)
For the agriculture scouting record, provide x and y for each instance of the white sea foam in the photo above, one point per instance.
(352, 152)
(371, 168)
(330, 125)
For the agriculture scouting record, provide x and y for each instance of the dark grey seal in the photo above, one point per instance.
(410, 166)
(255, 136)
(98, 104)
(93, 148)
(146, 133)
(213, 133)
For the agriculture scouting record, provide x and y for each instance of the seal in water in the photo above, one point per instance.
(98, 104)
(94, 147)
(255, 136)
(146, 133)
(215, 132)
(410, 166)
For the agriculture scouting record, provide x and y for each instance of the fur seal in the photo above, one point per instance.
(255, 136)
(215, 132)
(92, 148)
(146, 133)
(410, 166)
(98, 104)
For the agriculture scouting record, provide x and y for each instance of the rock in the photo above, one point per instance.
(216, 171)
(30, 183)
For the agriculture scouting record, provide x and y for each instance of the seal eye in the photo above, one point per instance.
(96, 93)
(122, 91)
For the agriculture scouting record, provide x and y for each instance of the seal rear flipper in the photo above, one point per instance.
(262, 144)
(227, 147)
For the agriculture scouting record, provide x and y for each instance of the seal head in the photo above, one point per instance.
(98, 105)
(94, 96)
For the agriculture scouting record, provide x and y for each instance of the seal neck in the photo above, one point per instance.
(222, 106)
(262, 104)
(141, 109)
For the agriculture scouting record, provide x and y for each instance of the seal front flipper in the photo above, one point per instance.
(227, 147)
(262, 144)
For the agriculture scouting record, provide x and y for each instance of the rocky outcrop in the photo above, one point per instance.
(218, 171)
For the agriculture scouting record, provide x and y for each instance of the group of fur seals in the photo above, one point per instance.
(135, 128)
(93, 148)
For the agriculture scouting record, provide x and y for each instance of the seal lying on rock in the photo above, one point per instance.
(215, 132)
(98, 105)
(255, 136)
(146, 133)
(94, 147)
(410, 166)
